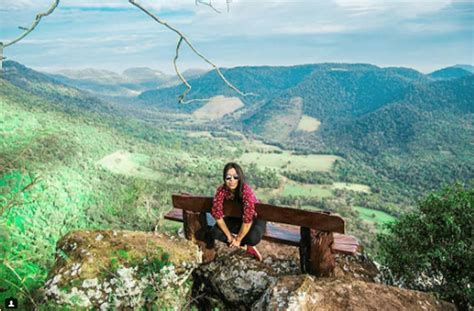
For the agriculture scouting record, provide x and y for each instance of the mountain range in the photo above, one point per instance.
(131, 82)
(395, 123)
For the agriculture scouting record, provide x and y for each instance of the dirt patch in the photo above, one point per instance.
(217, 107)
(308, 124)
(129, 164)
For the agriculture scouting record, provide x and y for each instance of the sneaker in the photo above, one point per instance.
(253, 251)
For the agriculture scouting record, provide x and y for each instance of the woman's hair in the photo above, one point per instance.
(240, 172)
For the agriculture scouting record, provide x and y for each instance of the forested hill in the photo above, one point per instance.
(62, 96)
(397, 126)
(405, 125)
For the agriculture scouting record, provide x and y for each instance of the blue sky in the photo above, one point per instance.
(114, 35)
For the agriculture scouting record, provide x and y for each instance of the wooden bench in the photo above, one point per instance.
(319, 235)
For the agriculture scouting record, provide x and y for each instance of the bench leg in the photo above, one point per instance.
(195, 229)
(316, 257)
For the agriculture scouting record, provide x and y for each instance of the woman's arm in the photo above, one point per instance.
(249, 200)
(217, 211)
(221, 223)
(244, 229)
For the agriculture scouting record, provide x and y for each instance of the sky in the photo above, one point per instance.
(115, 35)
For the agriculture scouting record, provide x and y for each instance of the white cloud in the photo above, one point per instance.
(104, 4)
(314, 29)
(407, 8)
(258, 27)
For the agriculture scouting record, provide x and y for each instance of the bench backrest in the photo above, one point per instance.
(310, 219)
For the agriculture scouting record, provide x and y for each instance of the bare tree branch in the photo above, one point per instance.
(209, 4)
(182, 37)
(181, 77)
(185, 39)
(38, 18)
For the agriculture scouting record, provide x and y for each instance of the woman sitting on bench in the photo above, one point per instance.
(244, 232)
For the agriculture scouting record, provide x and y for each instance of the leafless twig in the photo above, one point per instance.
(209, 4)
(38, 18)
(182, 37)
(181, 77)
(191, 46)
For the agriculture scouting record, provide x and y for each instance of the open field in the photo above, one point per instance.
(128, 164)
(206, 134)
(351, 187)
(217, 107)
(308, 124)
(287, 160)
(257, 145)
(299, 189)
(377, 217)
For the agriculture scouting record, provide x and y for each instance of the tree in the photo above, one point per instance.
(432, 249)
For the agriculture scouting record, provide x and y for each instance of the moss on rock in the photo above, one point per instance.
(121, 269)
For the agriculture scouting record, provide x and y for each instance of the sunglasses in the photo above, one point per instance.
(229, 177)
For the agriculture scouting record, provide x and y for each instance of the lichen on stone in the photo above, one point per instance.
(128, 270)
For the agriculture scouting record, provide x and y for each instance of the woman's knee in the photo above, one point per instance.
(252, 240)
(215, 233)
(254, 237)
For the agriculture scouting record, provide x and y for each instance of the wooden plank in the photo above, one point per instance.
(284, 235)
(310, 219)
(345, 249)
(345, 239)
(346, 244)
(175, 214)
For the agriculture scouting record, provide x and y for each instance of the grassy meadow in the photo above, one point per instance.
(290, 161)
(377, 217)
(292, 188)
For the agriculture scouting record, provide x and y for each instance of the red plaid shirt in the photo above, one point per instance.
(248, 198)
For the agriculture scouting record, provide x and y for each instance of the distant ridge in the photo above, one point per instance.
(452, 72)
(469, 68)
(131, 82)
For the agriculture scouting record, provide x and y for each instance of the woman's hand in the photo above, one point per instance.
(235, 243)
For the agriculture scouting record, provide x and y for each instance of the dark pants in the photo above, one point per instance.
(253, 237)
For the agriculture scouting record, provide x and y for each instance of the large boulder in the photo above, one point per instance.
(121, 269)
(235, 280)
(358, 266)
(304, 292)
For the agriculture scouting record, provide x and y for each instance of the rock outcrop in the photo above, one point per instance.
(121, 269)
(236, 280)
(304, 292)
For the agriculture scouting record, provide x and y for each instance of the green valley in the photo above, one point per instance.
(314, 138)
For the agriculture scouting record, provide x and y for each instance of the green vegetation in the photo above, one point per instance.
(69, 161)
(289, 161)
(52, 181)
(294, 189)
(351, 187)
(432, 248)
(378, 217)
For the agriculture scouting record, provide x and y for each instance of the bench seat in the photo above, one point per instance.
(285, 234)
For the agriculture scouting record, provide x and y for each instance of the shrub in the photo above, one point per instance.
(432, 248)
